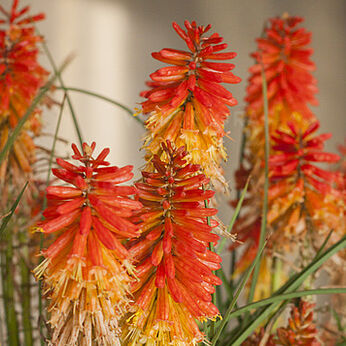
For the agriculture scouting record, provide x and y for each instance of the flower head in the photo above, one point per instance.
(86, 269)
(186, 103)
(285, 56)
(21, 76)
(174, 265)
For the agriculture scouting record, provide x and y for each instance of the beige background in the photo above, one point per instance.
(113, 40)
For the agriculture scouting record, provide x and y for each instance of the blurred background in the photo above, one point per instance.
(113, 41)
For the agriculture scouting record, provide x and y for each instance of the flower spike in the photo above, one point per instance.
(186, 103)
(21, 76)
(174, 265)
(86, 269)
(285, 56)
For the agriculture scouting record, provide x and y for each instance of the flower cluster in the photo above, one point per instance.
(174, 264)
(21, 76)
(186, 103)
(304, 202)
(86, 271)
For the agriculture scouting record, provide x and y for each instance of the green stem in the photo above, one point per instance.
(287, 296)
(104, 98)
(25, 289)
(295, 282)
(211, 247)
(8, 292)
(235, 298)
(266, 186)
(54, 66)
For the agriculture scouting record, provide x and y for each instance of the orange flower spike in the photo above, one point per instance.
(20, 72)
(186, 103)
(285, 55)
(86, 271)
(21, 76)
(174, 265)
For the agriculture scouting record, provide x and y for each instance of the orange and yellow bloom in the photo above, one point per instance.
(86, 271)
(21, 76)
(186, 103)
(174, 264)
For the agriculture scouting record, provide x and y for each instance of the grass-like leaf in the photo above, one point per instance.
(55, 69)
(234, 217)
(8, 217)
(291, 285)
(104, 98)
(286, 296)
(235, 298)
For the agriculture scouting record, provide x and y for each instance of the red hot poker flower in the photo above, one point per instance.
(186, 103)
(85, 271)
(21, 75)
(285, 56)
(174, 265)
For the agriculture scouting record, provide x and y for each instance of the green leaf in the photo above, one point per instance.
(104, 98)
(286, 296)
(235, 298)
(234, 217)
(54, 66)
(289, 287)
(8, 217)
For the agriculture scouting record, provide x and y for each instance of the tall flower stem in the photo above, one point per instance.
(266, 186)
(25, 289)
(8, 291)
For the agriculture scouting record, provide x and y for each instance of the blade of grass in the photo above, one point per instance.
(8, 217)
(289, 287)
(266, 186)
(8, 276)
(104, 98)
(235, 298)
(54, 66)
(234, 217)
(286, 296)
(25, 275)
(320, 250)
